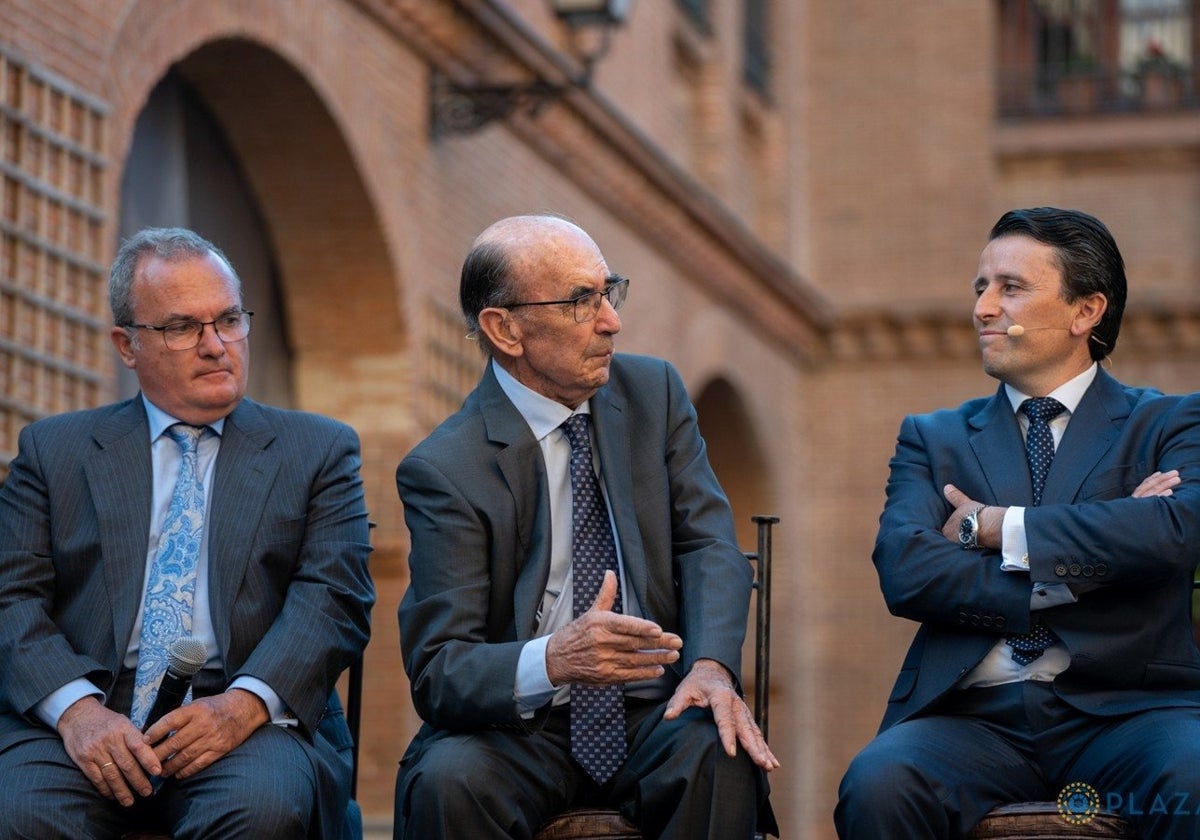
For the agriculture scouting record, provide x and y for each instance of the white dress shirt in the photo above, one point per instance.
(998, 667)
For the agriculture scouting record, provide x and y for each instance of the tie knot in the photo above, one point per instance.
(575, 428)
(188, 437)
(1042, 408)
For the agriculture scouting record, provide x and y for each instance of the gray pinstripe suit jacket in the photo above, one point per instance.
(290, 595)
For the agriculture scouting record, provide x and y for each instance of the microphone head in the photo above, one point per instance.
(1016, 331)
(186, 656)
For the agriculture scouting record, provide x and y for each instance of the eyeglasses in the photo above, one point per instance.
(587, 306)
(184, 335)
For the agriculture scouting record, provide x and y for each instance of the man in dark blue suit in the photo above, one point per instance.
(1045, 538)
(269, 575)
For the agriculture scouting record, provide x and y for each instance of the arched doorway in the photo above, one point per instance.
(736, 455)
(181, 172)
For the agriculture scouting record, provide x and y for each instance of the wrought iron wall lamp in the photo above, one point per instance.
(462, 109)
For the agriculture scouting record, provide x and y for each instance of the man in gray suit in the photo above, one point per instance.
(496, 641)
(273, 569)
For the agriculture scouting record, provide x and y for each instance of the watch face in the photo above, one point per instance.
(966, 531)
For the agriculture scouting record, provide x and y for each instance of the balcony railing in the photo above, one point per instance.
(1043, 93)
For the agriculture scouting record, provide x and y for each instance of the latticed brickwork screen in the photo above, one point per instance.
(453, 364)
(54, 348)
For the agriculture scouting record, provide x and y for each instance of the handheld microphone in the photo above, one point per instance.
(185, 657)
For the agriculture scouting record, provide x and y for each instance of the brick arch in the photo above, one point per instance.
(335, 270)
(336, 273)
(736, 452)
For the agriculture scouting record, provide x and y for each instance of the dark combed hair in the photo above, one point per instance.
(484, 282)
(1088, 257)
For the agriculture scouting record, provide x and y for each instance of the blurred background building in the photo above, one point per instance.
(799, 190)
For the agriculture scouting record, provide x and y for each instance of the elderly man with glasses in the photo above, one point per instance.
(574, 621)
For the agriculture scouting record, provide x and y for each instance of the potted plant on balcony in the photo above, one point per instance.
(1077, 86)
(1160, 77)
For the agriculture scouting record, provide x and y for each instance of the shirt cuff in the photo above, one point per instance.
(1015, 556)
(533, 688)
(1046, 595)
(280, 716)
(1014, 551)
(51, 708)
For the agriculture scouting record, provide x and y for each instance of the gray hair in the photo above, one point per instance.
(167, 244)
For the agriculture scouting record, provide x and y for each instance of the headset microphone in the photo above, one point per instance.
(1016, 330)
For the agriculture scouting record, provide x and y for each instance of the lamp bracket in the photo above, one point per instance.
(465, 109)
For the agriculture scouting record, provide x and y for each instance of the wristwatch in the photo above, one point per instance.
(968, 529)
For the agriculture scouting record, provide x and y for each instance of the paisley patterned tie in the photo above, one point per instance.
(171, 583)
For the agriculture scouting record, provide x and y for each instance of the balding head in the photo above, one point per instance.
(506, 255)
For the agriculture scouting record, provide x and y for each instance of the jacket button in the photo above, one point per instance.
(1076, 569)
(1061, 570)
(1088, 570)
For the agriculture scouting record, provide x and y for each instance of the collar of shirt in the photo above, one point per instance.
(543, 414)
(1069, 394)
(160, 421)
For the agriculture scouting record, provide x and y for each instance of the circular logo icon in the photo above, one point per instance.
(1078, 803)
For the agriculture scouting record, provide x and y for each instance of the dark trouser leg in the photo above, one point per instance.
(685, 785)
(936, 776)
(1147, 768)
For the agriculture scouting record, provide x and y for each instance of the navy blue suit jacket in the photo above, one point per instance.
(1131, 561)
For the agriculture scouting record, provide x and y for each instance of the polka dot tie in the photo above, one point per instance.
(1039, 441)
(597, 712)
(171, 583)
(1039, 449)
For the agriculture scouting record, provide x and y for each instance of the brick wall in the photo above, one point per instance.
(806, 256)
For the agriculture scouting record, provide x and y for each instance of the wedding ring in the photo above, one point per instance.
(107, 764)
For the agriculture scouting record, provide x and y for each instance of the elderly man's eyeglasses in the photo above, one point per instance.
(587, 306)
(184, 335)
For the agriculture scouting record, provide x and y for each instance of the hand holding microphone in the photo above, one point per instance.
(185, 657)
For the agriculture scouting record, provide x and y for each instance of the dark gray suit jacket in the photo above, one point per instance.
(1131, 561)
(290, 595)
(476, 504)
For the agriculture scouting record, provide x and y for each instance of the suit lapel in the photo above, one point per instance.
(616, 465)
(245, 473)
(520, 461)
(119, 477)
(1093, 429)
(996, 441)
